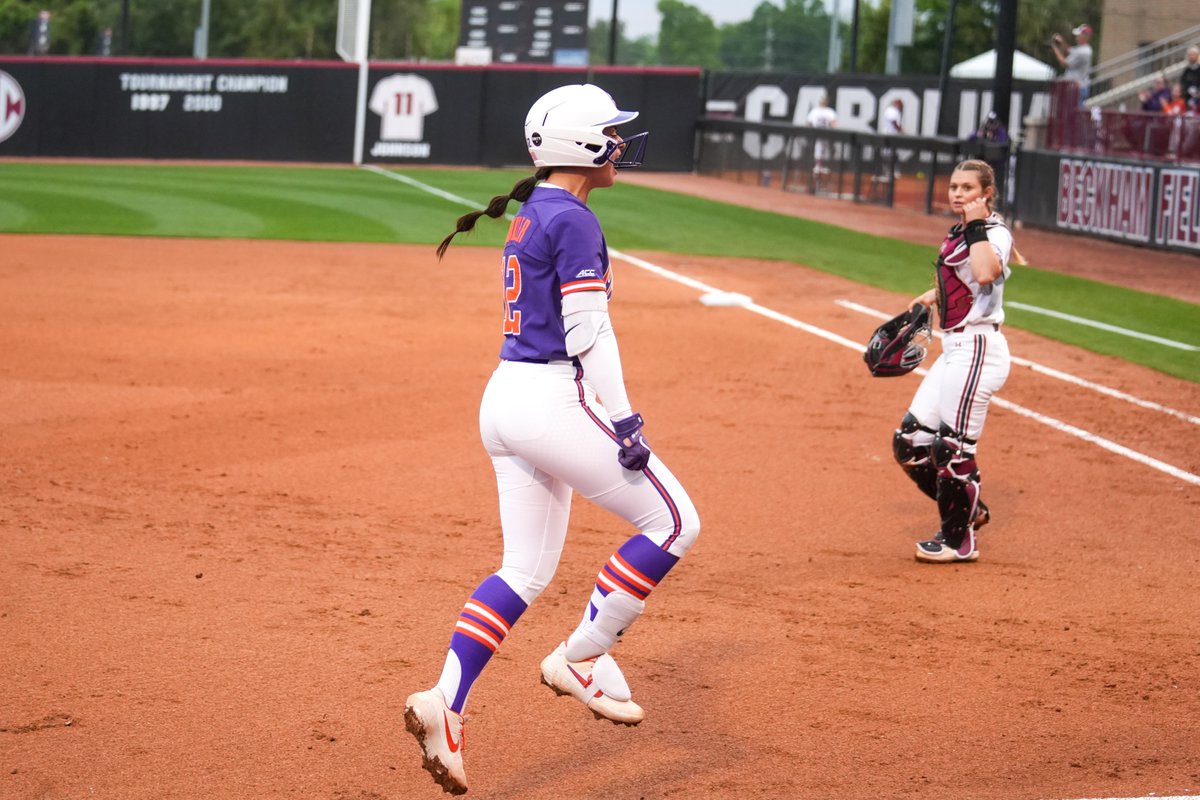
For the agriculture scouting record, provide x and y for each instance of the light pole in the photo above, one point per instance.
(1006, 42)
(612, 36)
(835, 38)
(124, 27)
(200, 46)
(854, 39)
(944, 75)
(769, 50)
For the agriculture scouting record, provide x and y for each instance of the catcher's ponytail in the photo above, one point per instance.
(987, 177)
(496, 206)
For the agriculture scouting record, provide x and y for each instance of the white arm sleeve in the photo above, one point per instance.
(583, 314)
(591, 338)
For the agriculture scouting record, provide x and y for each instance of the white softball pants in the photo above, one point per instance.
(973, 366)
(548, 437)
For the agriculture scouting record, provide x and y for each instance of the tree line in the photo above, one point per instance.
(794, 35)
(268, 29)
(779, 36)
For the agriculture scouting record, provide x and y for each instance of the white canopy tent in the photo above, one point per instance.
(1025, 67)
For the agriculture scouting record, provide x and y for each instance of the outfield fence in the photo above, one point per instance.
(289, 111)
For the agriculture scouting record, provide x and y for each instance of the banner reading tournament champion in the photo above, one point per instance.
(181, 108)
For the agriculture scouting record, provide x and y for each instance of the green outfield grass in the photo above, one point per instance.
(348, 204)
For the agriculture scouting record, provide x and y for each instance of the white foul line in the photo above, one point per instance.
(832, 337)
(416, 184)
(1058, 425)
(1051, 372)
(749, 306)
(1104, 326)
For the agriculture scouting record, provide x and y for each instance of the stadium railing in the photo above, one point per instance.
(895, 171)
(1140, 135)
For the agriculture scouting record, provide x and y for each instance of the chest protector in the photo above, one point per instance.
(954, 296)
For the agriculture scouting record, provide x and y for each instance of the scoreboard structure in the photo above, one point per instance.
(526, 31)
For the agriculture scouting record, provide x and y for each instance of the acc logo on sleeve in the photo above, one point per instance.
(12, 105)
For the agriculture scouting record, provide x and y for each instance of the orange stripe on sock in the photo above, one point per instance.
(607, 582)
(478, 635)
(650, 584)
(474, 606)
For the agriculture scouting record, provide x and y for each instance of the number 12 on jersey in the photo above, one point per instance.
(512, 292)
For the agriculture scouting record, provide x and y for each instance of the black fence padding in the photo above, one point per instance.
(288, 111)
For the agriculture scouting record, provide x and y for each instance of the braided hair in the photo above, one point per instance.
(496, 206)
(987, 177)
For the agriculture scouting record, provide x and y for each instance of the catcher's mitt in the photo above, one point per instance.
(898, 346)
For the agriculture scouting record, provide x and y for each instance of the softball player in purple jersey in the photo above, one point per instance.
(555, 419)
(936, 441)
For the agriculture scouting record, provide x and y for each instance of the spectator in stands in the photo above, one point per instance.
(1077, 60)
(992, 130)
(1190, 79)
(1155, 99)
(39, 34)
(1175, 104)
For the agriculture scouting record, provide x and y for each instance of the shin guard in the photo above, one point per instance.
(912, 446)
(619, 595)
(957, 484)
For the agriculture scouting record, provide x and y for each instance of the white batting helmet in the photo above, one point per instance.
(565, 128)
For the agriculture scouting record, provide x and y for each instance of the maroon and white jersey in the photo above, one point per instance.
(960, 297)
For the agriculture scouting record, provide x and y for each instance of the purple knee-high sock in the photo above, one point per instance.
(485, 620)
(636, 567)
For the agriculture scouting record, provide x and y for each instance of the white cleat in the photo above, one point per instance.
(936, 551)
(440, 734)
(597, 683)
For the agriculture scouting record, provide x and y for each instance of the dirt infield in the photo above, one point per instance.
(245, 500)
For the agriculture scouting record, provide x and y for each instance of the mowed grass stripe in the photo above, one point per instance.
(350, 204)
(300, 203)
(54, 208)
(145, 210)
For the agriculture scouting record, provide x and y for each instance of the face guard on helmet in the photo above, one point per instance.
(565, 128)
(899, 345)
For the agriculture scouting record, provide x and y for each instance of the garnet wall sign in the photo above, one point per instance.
(12, 105)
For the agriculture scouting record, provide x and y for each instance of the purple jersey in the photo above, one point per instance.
(554, 248)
